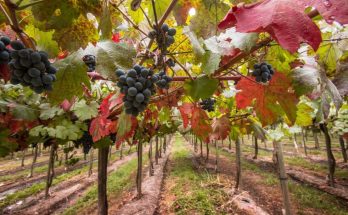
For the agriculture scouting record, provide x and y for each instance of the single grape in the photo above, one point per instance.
(35, 57)
(17, 45)
(132, 73)
(144, 72)
(2, 46)
(172, 31)
(33, 72)
(165, 27)
(130, 81)
(5, 40)
(132, 91)
(137, 68)
(140, 97)
(119, 73)
(147, 93)
(139, 86)
(47, 79)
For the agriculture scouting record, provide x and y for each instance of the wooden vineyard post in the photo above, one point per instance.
(151, 168)
(256, 147)
(50, 170)
(102, 180)
(156, 151)
(23, 158)
(216, 156)
(160, 148)
(315, 136)
(201, 147)
(330, 157)
(207, 149)
(34, 161)
(295, 143)
(282, 175)
(91, 151)
(165, 144)
(229, 143)
(121, 151)
(343, 149)
(304, 142)
(238, 164)
(140, 167)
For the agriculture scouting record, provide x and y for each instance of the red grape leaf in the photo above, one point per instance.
(285, 20)
(186, 113)
(100, 127)
(221, 128)
(200, 124)
(271, 101)
(126, 127)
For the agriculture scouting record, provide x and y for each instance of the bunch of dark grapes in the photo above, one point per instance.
(4, 51)
(86, 141)
(90, 62)
(208, 104)
(164, 36)
(263, 72)
(138, 86)
(162, 80)
(31, 68)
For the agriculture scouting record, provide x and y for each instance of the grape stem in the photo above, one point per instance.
(10, 13)
(224, 78)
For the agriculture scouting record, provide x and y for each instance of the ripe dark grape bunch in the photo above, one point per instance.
(31, 68)
(162, 80)
(208, 104)
(4, 52)
(86, 141)
(138, 86)
(164, 37)
(90, 62)
(263, 72)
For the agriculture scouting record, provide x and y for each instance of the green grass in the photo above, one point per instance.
(118, 181)
(194, 191)
(304, 195)
(37, 187)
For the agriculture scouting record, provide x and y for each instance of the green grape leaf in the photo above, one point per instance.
(44, 40)
(56, 14)
(23, 112)
(160, 6)
(205, 21)
(280, 58)
(72, 73)
(328, 55)
(37, 131)
(105, 25)
(210, 62)
(304, 114)
(103, 143)
(78, 35)
(48, 112)
(85, 111)
(201, 88)
(111, 55)
(68, 131)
